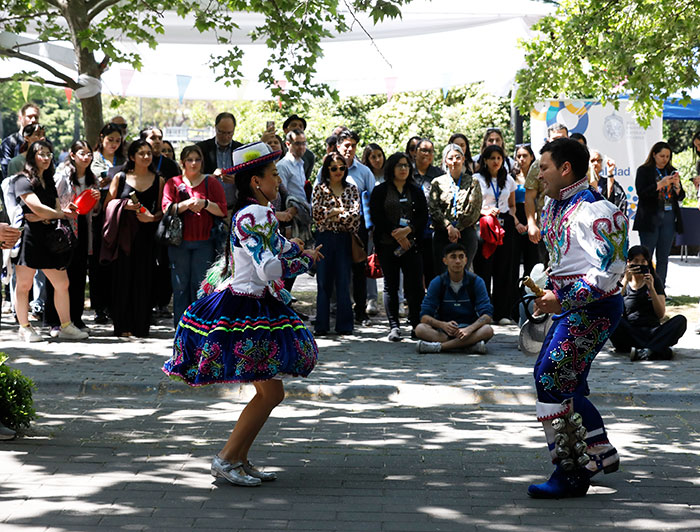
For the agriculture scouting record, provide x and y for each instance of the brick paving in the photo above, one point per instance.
(377, 438)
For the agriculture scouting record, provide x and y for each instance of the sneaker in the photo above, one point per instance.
(101, 318)
(372, 307)
(506, 321)
(71, 332)
(479, 348)
(28, 334)
(394, 335)
(54, 332)
(428, 347)
(234, 473)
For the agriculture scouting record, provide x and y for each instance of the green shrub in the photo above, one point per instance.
(16, 404)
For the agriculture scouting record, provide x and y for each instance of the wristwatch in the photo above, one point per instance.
(206, 203)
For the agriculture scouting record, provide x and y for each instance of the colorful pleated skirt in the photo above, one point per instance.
(228, 337)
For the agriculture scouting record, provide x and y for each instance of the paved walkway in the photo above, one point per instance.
(377, 438)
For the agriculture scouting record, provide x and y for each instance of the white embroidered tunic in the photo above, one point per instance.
(586, 237)
(262, 256)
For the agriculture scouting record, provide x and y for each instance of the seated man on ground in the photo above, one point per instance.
(456, 311)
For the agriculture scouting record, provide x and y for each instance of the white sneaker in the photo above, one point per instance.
(371, 308)
(428, 347)
(479, 348)
(54, 332)
(28, 334)
(71, 332)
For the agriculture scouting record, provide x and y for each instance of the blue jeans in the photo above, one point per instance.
(189, 263)
(660, 239)
(334, 271)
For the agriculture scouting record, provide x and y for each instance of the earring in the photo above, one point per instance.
(258, 187)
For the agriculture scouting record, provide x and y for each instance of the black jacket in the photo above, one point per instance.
(650, 207)
(383, 226)
(209, 151)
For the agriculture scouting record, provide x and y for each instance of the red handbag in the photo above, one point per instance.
(374, 269)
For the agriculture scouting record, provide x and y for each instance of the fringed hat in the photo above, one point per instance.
(251, 156)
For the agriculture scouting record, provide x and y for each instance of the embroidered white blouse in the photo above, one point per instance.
(587, 239)
(262, 256)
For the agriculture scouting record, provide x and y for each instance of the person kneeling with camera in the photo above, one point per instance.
(640, 331)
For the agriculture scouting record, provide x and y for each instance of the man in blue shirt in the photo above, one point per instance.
(456, 311)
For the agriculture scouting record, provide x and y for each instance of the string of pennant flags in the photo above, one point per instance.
(183, 82)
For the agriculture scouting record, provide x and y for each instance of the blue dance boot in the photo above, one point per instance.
(561, 484)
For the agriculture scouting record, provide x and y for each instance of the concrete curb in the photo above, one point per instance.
(406, 394)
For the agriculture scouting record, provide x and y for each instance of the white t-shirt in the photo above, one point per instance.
(490, 191)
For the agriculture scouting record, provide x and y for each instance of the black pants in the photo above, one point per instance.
(100, 274)
(411, 264)
(658, 339)
(359, 280)
(77, 276)
(523, 249)
(468, 239)
(498, 273)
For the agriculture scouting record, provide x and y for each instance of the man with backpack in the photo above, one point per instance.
(456, 311)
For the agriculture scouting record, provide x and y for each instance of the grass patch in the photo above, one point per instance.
(680, 301)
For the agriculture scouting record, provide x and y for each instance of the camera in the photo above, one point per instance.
(641, 268)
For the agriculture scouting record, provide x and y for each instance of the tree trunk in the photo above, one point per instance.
(75, 13)
(92, 118)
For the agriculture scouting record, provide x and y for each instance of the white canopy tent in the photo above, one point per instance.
(436, 44)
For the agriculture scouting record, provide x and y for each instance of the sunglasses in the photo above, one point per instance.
(493, 130)
(336, 168)
(523, 145)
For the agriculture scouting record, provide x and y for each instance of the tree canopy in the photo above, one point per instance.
(646, 49)
(292, 30)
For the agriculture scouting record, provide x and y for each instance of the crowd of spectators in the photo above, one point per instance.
(463, 229)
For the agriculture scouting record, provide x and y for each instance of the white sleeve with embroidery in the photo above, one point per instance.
(601, 231)
(273, 256)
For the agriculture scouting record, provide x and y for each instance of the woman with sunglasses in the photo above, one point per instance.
(399, 213)
(411, 147)
(36, 193)
(335, 204)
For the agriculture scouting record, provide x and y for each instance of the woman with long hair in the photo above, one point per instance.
(373, 158)
(411, 147)
(494, 135)
(640, 331)
(30, 134)
(497, 267)
(133, 208)
(335, 205)
(525, 251)
(658, 217)
(399, 213)
(199, 200)
(244, 330)
(454, 205)
(36, 193)
(108, 154)
(72, 178)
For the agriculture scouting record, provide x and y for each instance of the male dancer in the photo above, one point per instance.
(586, 237)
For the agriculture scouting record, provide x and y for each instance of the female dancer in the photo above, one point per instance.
(244, 331)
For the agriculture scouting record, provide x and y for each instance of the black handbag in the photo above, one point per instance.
(169, 229)
(60, 237)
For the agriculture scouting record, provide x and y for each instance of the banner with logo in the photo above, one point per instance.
(615, 133)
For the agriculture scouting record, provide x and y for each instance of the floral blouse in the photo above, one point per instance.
(323, 200)
(453, 203)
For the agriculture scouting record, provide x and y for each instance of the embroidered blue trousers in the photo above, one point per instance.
(571, 345)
